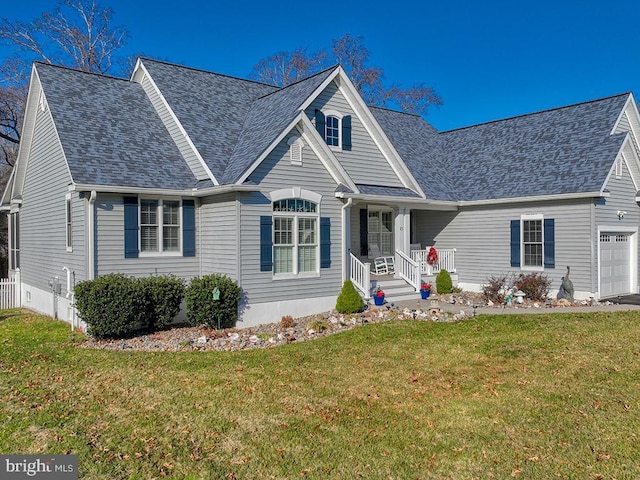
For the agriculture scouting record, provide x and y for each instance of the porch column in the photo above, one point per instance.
(346, 239)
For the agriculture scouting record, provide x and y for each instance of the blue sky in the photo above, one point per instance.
(487, 60)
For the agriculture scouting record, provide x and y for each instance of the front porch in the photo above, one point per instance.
(410, 270)
(392, 238)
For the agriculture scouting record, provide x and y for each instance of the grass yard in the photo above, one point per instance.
(530, 397)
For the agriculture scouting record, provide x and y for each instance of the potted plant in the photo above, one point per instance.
(425, 290)
(378, 297)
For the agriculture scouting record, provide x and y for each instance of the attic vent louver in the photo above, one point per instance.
(295, 150)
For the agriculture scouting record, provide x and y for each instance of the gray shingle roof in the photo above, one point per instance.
(387, 191)
(422, 149)
(267, 119)
(112, 136)
(110, 132)
(212, 108)
(559, 151)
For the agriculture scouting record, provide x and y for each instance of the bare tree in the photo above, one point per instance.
(77, 33)
(284, 68)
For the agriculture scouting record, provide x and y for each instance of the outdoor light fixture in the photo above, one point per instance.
(621, 214)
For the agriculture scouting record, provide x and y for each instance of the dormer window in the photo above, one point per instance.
(334, 128)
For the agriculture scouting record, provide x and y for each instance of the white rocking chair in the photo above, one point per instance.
(381, 265)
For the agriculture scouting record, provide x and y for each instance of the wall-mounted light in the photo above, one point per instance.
(621, 214)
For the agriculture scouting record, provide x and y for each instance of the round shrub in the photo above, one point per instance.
(443, 282)
(349, 300)
(111, 305)
(164, 294)
(203, 309)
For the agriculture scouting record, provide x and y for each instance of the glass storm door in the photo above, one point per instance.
(380, 230)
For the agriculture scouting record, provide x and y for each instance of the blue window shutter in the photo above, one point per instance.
(515, 243)
(320, 124)
(266, 244)
(188, 228)
(549, 243)
(130, 227)
(364, 232)
(325, 242)
(346, 132)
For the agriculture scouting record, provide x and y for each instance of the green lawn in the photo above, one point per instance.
(531, 396)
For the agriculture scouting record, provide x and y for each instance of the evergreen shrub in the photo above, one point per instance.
(202, 309)
(443, 282)
(349, 300)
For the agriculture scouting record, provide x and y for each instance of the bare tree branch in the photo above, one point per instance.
(284, 68)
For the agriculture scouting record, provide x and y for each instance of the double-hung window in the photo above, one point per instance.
(532, 242)
(295, 236)
(159, 225)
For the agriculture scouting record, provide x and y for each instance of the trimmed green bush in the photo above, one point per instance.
(164, 294)
(111, 305)
(202, 309)
(349, 300)
(115, 305)
(443, 282)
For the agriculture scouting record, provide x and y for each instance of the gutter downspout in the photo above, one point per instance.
(91, 264)
(346, 240)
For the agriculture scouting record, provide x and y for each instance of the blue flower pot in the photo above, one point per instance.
(425, 294)
(378, 300)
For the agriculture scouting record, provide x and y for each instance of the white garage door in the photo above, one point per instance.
(615, 263)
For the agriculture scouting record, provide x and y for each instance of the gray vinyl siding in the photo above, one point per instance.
(43, 247)
(219, 235)
(481, 237)
(110, 246)
(623, 125)
(277, 172)
(622, 194)
(364, 163)
(174, 130)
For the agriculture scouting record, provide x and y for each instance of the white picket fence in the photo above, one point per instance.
(10, 291)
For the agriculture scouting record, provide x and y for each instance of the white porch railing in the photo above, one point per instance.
(360, 275)
(408, 269)
(446, 260)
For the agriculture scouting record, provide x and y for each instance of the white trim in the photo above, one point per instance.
(377, 134)
(630, 100)
(160, 226)
(137, 76)
(534, 198)
(295, 192)
(269, 149)
(525, 218)
(338, 116)
(325, 154)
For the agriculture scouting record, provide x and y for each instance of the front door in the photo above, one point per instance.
(380, 229)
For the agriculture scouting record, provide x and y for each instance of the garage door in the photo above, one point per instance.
(615, 263)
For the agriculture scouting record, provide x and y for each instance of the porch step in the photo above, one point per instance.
(395, 290)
